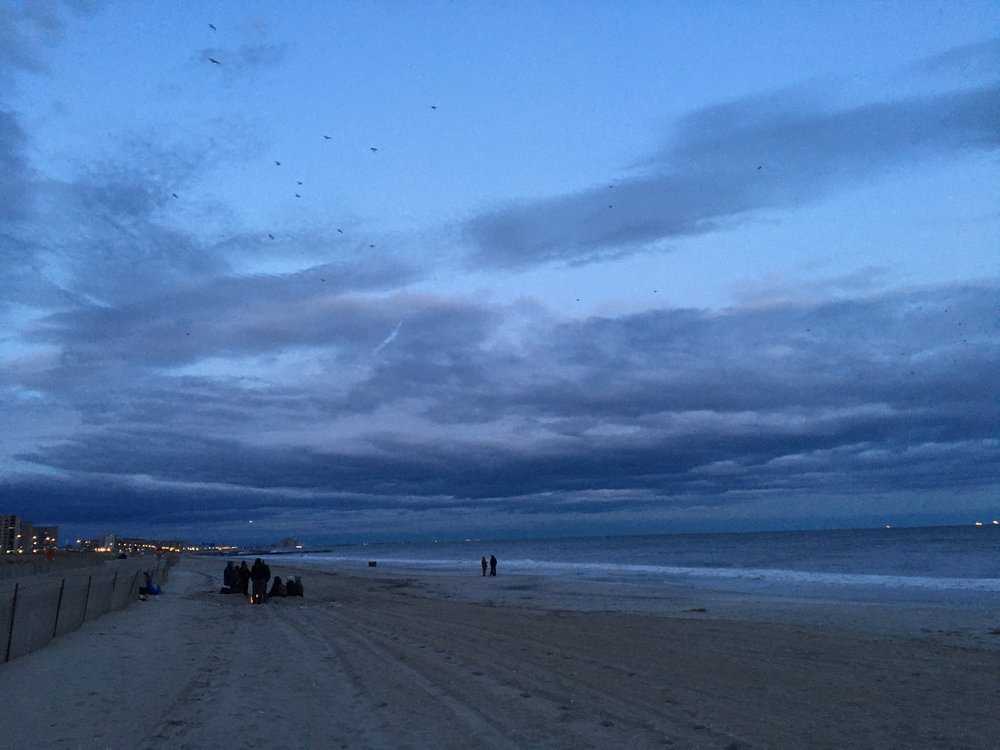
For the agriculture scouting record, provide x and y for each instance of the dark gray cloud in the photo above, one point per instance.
(117, 242)
(726, 162)
(102, 236)
(982, 58)
(838, 354)
(29, 29)
(252, 315)
(26, 29)
(646, 413)
(14, 169)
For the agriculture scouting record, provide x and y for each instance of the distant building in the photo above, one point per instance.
(10, 534)
(20, 537)
(128, 546)
(147, 546)
(211, 548)
(44, 537)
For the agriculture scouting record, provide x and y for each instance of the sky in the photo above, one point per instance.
(362, 271)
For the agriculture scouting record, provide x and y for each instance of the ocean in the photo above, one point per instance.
(946, 564)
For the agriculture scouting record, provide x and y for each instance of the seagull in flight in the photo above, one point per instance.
(213, 60)
(373, 149)
(326, 137)
(212, 27)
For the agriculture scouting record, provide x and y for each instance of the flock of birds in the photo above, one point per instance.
(326, 137)
(374, 150)
(277, 163)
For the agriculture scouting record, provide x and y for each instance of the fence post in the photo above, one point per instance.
(13, 610)
(55, 626)
(86, 601)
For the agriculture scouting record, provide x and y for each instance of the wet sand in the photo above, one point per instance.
(379, 659)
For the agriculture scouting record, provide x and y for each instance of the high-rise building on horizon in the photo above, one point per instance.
(20, 537)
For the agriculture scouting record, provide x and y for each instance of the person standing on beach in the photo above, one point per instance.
(484, 566)
(230, 579)
(493, 565)
(244, 573)
(260, 574)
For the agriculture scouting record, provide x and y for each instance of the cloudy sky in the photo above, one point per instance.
(361, 271)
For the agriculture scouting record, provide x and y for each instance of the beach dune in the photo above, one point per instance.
(382, 660)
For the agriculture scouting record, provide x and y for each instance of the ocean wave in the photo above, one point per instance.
(668, 573)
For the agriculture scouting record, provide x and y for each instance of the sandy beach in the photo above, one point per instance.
(385, 659)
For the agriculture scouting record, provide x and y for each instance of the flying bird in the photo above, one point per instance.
(340, 230)
(213, 60)
(277, 163)
(433, 106)
(174, 194)
(298, 182)
(326, 137)
(373, 149)
(270, 236)
(212, 27)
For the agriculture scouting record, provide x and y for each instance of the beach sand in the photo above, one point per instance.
(383, 659)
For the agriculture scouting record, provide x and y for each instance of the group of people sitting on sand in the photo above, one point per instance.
(252, 582)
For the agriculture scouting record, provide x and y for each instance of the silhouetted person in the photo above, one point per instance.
(484, 566)
(260, 574)
(230, 578)
(293, 586)
(493, 565)
(244, 573)
(277, 588)
(151, 587)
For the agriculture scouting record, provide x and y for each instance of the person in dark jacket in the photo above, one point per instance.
(230, 578)
(244, 575)
(277, 588)
(493, 565)
(260, 574)
(293, 587)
